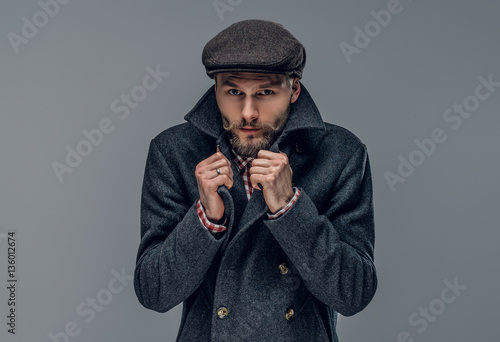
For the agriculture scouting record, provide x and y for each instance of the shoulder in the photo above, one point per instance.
(339, 141)
(179, 137)
(183, 146)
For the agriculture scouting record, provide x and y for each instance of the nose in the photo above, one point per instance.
(249, 111)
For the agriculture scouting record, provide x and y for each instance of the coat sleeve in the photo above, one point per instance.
(333, 252)
(176, 250)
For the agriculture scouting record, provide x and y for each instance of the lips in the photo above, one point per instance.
(249, 130)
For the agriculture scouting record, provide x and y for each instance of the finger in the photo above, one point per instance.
(214, 157)
(266, 154)
(276, 162)
(257, 181)
(217, 164)
(215, 173)
(210, 186)
(261, 162)
(260, 170)
(228, 182)
(230, 172)
(228, 163)
(219, 155)
(284, 156)
(223, 180)
(224, 171)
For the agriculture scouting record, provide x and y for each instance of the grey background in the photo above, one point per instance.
(440, 224)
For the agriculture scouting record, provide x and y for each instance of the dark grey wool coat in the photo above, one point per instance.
(272, 280)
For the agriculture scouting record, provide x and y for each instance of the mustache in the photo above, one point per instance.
(243, 123)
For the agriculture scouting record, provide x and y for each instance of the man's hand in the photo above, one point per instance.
(209, 181)
(274, 173)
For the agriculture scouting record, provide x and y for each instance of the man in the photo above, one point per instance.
(256, 214)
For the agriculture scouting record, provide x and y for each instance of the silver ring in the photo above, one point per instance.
(218, 171)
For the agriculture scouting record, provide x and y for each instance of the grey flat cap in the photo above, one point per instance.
(254, 46)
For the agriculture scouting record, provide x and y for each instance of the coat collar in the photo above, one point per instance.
(206, 116)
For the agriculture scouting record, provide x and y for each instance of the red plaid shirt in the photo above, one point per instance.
(243, 164)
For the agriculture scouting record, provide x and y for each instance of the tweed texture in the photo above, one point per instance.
(326, 239)
(254, 46)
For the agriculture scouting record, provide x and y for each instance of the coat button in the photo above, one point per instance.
(298, 148)
(283, 268)
(289, 314)
(222, 312)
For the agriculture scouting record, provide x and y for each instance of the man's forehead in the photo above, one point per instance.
(249, 76)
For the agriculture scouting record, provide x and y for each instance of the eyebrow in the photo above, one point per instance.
(269, 84)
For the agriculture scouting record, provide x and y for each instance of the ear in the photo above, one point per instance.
(295, 90)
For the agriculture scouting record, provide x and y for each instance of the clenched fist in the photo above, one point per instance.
(209, 180)
(274, 173)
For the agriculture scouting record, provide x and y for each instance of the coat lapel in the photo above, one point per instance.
(253, 209)
(206, 116)
(246, 212)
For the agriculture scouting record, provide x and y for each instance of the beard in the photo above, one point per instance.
(249, 146)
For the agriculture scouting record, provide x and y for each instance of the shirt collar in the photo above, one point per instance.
(241, 161)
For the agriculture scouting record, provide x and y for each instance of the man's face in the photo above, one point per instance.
(254, 108)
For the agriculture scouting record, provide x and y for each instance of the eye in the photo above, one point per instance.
(234, 92)
(266, 92)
